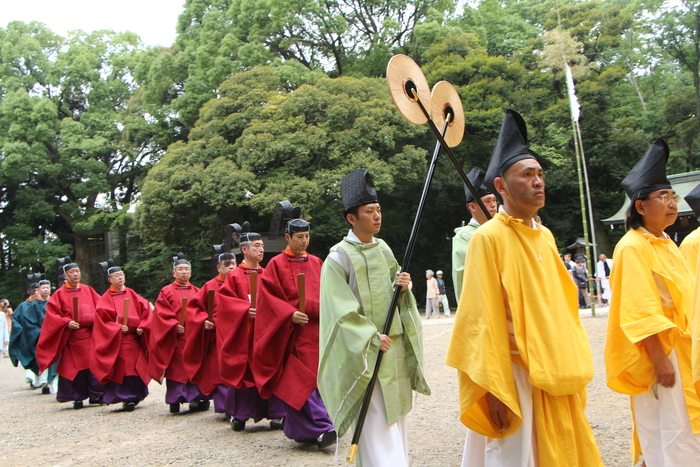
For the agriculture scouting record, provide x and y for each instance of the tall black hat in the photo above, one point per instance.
(225, 257)
(511, 147)
(693, 200)
(357, 189)
(297, 225)
(248, 236)
(476, 178)
(180, 259)
(650, 172)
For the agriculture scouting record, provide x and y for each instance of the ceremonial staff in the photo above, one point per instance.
(409, 91)
(183, 311)
(75, 309)
(301, 292)
(253, 289)
(447, 108)
(210, 303)
(126, 311)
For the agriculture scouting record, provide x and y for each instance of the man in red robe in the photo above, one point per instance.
(119, 359)
(285, 350)
(234, 335)
(201, 359)
(69, 337)
(166, 341)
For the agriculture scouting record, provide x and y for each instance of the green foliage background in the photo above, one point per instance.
(257, 102)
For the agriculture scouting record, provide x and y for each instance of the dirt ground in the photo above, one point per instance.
(37, 430)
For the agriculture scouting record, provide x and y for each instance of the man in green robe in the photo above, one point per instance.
(463, 234)
(357, 284)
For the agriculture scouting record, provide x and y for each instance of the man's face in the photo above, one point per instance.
(182, 273)
(439, 276)
(523, 185)
(567, 257)
(255, 251)
(117, 279)
(44, 291)
(73, 276)
(298, 242)
(602, 257)
(226, 266)
(659, 209)
(368, 220)
(491, 203)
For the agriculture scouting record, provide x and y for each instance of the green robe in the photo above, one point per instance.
(354, 307)
(26, 327)
(460, 242)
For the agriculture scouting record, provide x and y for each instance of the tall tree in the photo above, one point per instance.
(71, 148)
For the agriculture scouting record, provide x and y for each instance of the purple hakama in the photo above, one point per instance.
(84, 386)
(131, 389)
(219, 397)
(308, 423)
(178, 392)
(248, 404)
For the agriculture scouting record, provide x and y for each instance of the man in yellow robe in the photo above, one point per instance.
(648, 344)
(691, 243)
(522, 356)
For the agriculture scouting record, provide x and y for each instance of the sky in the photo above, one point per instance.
(153, 20)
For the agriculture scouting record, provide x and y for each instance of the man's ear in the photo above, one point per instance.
(639, 206)
(500, 186)
(350, 217)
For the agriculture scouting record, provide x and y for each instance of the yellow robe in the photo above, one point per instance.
(689, 249)
(652, 293)
(516, 280)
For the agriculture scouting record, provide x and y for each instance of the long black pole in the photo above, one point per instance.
(453, 159)
(395, 298)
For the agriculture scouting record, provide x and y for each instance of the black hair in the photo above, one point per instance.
(353, 210)
(633, 219)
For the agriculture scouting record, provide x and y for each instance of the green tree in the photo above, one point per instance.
(242, 158)
(71, 148)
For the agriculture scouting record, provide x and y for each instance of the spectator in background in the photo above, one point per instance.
(443, 294)
(432, 294)
(5, 326)
(580, 276)
(602, 273)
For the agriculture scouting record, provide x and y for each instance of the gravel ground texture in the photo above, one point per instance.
(37, 430)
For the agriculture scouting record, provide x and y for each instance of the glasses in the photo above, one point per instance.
(667, 198)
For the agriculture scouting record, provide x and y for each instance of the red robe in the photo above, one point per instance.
(56, 340)
(117, 354)
(234, 327)
(285, 355)
(165, 345)
(201, 359)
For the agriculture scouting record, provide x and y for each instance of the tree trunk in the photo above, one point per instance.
(82, 257)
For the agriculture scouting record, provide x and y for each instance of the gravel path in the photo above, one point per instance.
(36, 430)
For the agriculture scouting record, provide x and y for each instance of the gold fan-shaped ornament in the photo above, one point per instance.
(445, 101)
(404, 76)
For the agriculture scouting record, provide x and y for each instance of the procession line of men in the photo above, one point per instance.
(521, 352)
(522, 356)
(255, 361)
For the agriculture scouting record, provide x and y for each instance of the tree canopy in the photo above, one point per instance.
(257, 102)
